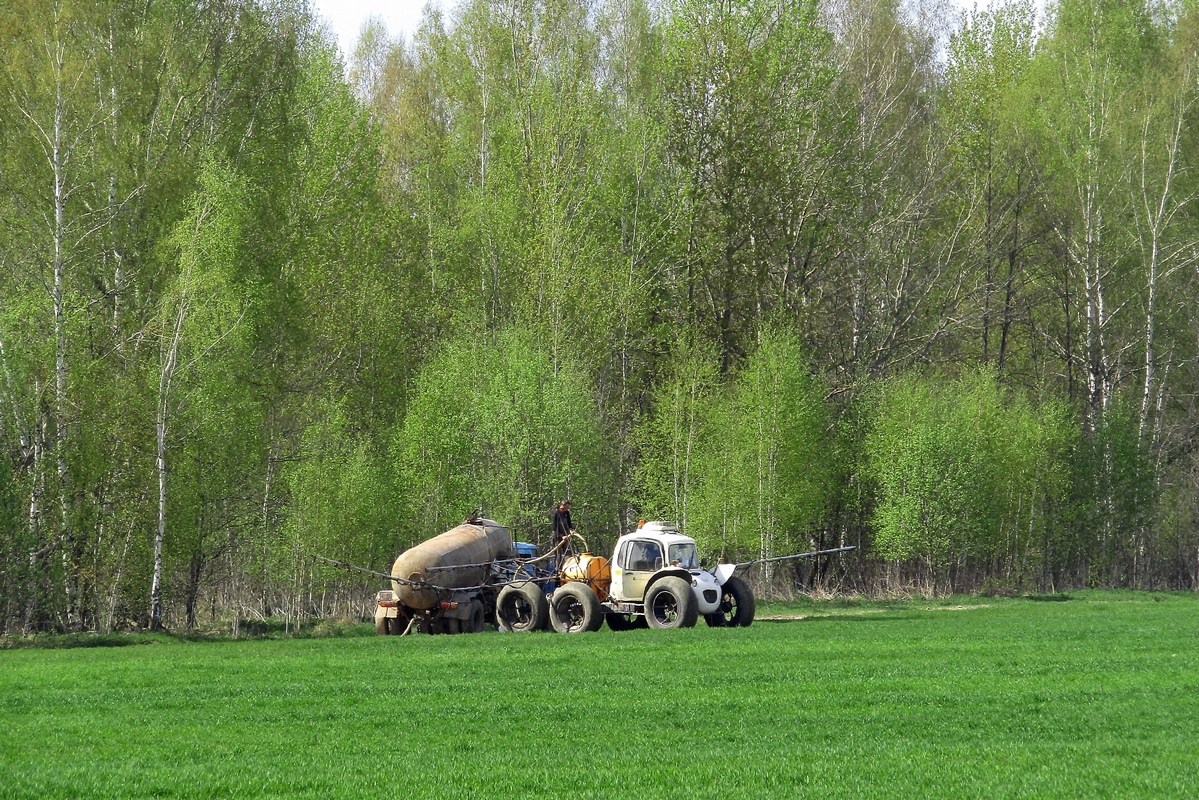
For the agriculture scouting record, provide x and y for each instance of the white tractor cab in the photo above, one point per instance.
(654, 579)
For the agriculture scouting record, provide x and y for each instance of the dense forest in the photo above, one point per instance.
(793, 273)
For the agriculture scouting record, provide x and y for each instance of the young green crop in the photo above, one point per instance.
(1094, 697)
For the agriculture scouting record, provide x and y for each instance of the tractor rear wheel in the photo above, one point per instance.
(520, 608)
(737, 606)
(670, 603)
(575, 608)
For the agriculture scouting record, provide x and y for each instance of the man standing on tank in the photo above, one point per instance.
(562, 527)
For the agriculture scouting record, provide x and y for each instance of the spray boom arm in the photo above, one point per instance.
(725, 571)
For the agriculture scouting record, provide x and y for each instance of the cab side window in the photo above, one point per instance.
(641, 556)
(624, 556)
(647, 556)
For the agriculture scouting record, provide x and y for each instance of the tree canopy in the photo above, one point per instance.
(789, 274)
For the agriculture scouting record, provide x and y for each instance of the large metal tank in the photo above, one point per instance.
(455, 559)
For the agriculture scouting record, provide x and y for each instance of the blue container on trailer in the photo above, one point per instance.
(526, 550)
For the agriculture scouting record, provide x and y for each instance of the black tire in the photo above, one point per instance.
(670, 603)
(521, 608)
(575, 608)
(391, 626)
(625, 622)
(737, 606)
(475, 616)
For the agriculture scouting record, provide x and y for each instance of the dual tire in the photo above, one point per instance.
(521, 608)
(575, 608)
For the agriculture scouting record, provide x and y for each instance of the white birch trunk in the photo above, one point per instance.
(160, 462)
(58, 159)
(1158, 213)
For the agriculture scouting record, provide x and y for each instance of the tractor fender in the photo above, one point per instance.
(707, 590)
(723, 572)
(702, 583)
(677, 572)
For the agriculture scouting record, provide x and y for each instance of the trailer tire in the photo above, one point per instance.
(737, 606)
(670, 603)
(625, 622)
(475, 616)
(521, 608)
(575, 608)
(391, 626)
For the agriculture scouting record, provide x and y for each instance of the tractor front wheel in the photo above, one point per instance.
(737, 607)
(670, 603)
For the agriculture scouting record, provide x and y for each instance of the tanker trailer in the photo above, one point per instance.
(446, 584)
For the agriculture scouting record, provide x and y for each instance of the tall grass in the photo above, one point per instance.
(1095, 697)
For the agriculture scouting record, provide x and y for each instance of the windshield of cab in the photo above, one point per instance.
(684, 555)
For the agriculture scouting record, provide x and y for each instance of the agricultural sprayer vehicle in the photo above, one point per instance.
(474, 575)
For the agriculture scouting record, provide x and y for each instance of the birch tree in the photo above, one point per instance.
(743, 82)
(899, 288)
(673, 436)
(53, 133)
(1089, 69)
(989, 60)
(202, 318)
(764, 475)
(1164, 194)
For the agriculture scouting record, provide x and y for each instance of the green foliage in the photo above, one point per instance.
(1115, 486)
(765, 467)
(204, 224)
(742, 467)
(496, 422)
(672, 439)
(963, 469)
(339, 500)
(744, 83)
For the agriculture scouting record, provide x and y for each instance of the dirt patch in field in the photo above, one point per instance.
(956, 608)
(790, 616)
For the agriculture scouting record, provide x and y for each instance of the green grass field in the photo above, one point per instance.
(1094, 697)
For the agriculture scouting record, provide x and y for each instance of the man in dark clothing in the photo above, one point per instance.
(561, 524)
